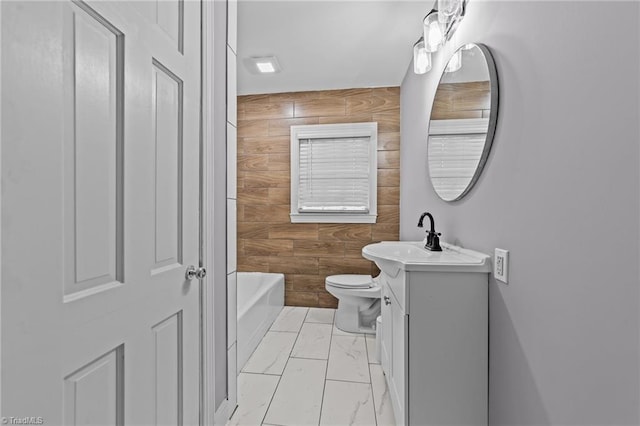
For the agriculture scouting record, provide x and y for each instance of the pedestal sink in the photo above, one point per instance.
(435, 331)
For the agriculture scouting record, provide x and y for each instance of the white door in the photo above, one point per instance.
(100, 186)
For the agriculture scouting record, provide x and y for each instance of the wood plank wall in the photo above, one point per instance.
(462, 100)
(307, 253)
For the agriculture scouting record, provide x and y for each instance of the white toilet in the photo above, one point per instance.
(358, 301)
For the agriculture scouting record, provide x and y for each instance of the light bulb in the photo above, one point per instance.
(421, 58)
(455, 63)
(449, 10)
(432, 32)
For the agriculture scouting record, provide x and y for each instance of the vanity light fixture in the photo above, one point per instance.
(421, 57)
(451, 14)
(450, 11)
(433, 33)
(438, 27)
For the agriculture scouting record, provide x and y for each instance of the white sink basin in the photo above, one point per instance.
(393, 256)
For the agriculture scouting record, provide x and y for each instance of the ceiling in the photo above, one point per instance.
(324, 45)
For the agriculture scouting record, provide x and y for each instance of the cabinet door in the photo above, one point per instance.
(398, 371)
(387, 329)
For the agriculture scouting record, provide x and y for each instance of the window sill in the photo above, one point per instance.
(332, 218)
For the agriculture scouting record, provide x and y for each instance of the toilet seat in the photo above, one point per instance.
(350, 281)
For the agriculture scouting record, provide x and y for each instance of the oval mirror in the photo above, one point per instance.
(463, 121)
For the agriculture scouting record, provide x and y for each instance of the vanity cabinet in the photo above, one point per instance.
(394, 349)
(435, 346)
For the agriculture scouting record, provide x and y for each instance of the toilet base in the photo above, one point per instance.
(351, 319)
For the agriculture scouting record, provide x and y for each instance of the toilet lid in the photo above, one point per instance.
(350, 281)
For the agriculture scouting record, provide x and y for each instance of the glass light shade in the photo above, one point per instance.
(455, 63)
(433, 33)
(449, 11)
(421, 58)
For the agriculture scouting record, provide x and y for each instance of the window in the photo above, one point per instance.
(333, 173)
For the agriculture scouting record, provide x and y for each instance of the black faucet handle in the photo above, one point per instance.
(436, 242)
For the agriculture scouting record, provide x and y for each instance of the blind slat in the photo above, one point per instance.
(453, 159)
(334, 175)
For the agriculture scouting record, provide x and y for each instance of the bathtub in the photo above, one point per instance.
(260, 300)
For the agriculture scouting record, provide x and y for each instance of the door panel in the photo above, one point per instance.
(100, 177)
(92, 153)
(169, 17)
(168, 370)
(167, 117)
(94, 394)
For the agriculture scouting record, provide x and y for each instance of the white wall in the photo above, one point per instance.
(561, 192)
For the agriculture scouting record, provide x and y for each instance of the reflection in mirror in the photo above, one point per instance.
(463, 120)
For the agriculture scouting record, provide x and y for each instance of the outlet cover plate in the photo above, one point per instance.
(501, 265)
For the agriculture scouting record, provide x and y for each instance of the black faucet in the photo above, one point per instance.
(433, 237)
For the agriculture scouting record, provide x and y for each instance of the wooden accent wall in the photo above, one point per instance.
(307, 252)
(462, 100)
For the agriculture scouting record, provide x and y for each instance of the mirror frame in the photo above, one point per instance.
(493, 119)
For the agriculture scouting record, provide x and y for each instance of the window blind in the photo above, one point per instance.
(334, 175)
(453, 160)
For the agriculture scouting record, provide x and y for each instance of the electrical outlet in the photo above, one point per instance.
(501, 265)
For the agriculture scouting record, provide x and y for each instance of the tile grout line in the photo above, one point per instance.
(259, 374)
(348, 381)
(310, 357)
(256, 348)
(366, 350)
(373, 398)
(326, 371)
(265, 374)
(373, 401)
(285, 367)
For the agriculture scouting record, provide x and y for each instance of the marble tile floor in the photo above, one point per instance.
(307, 372)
